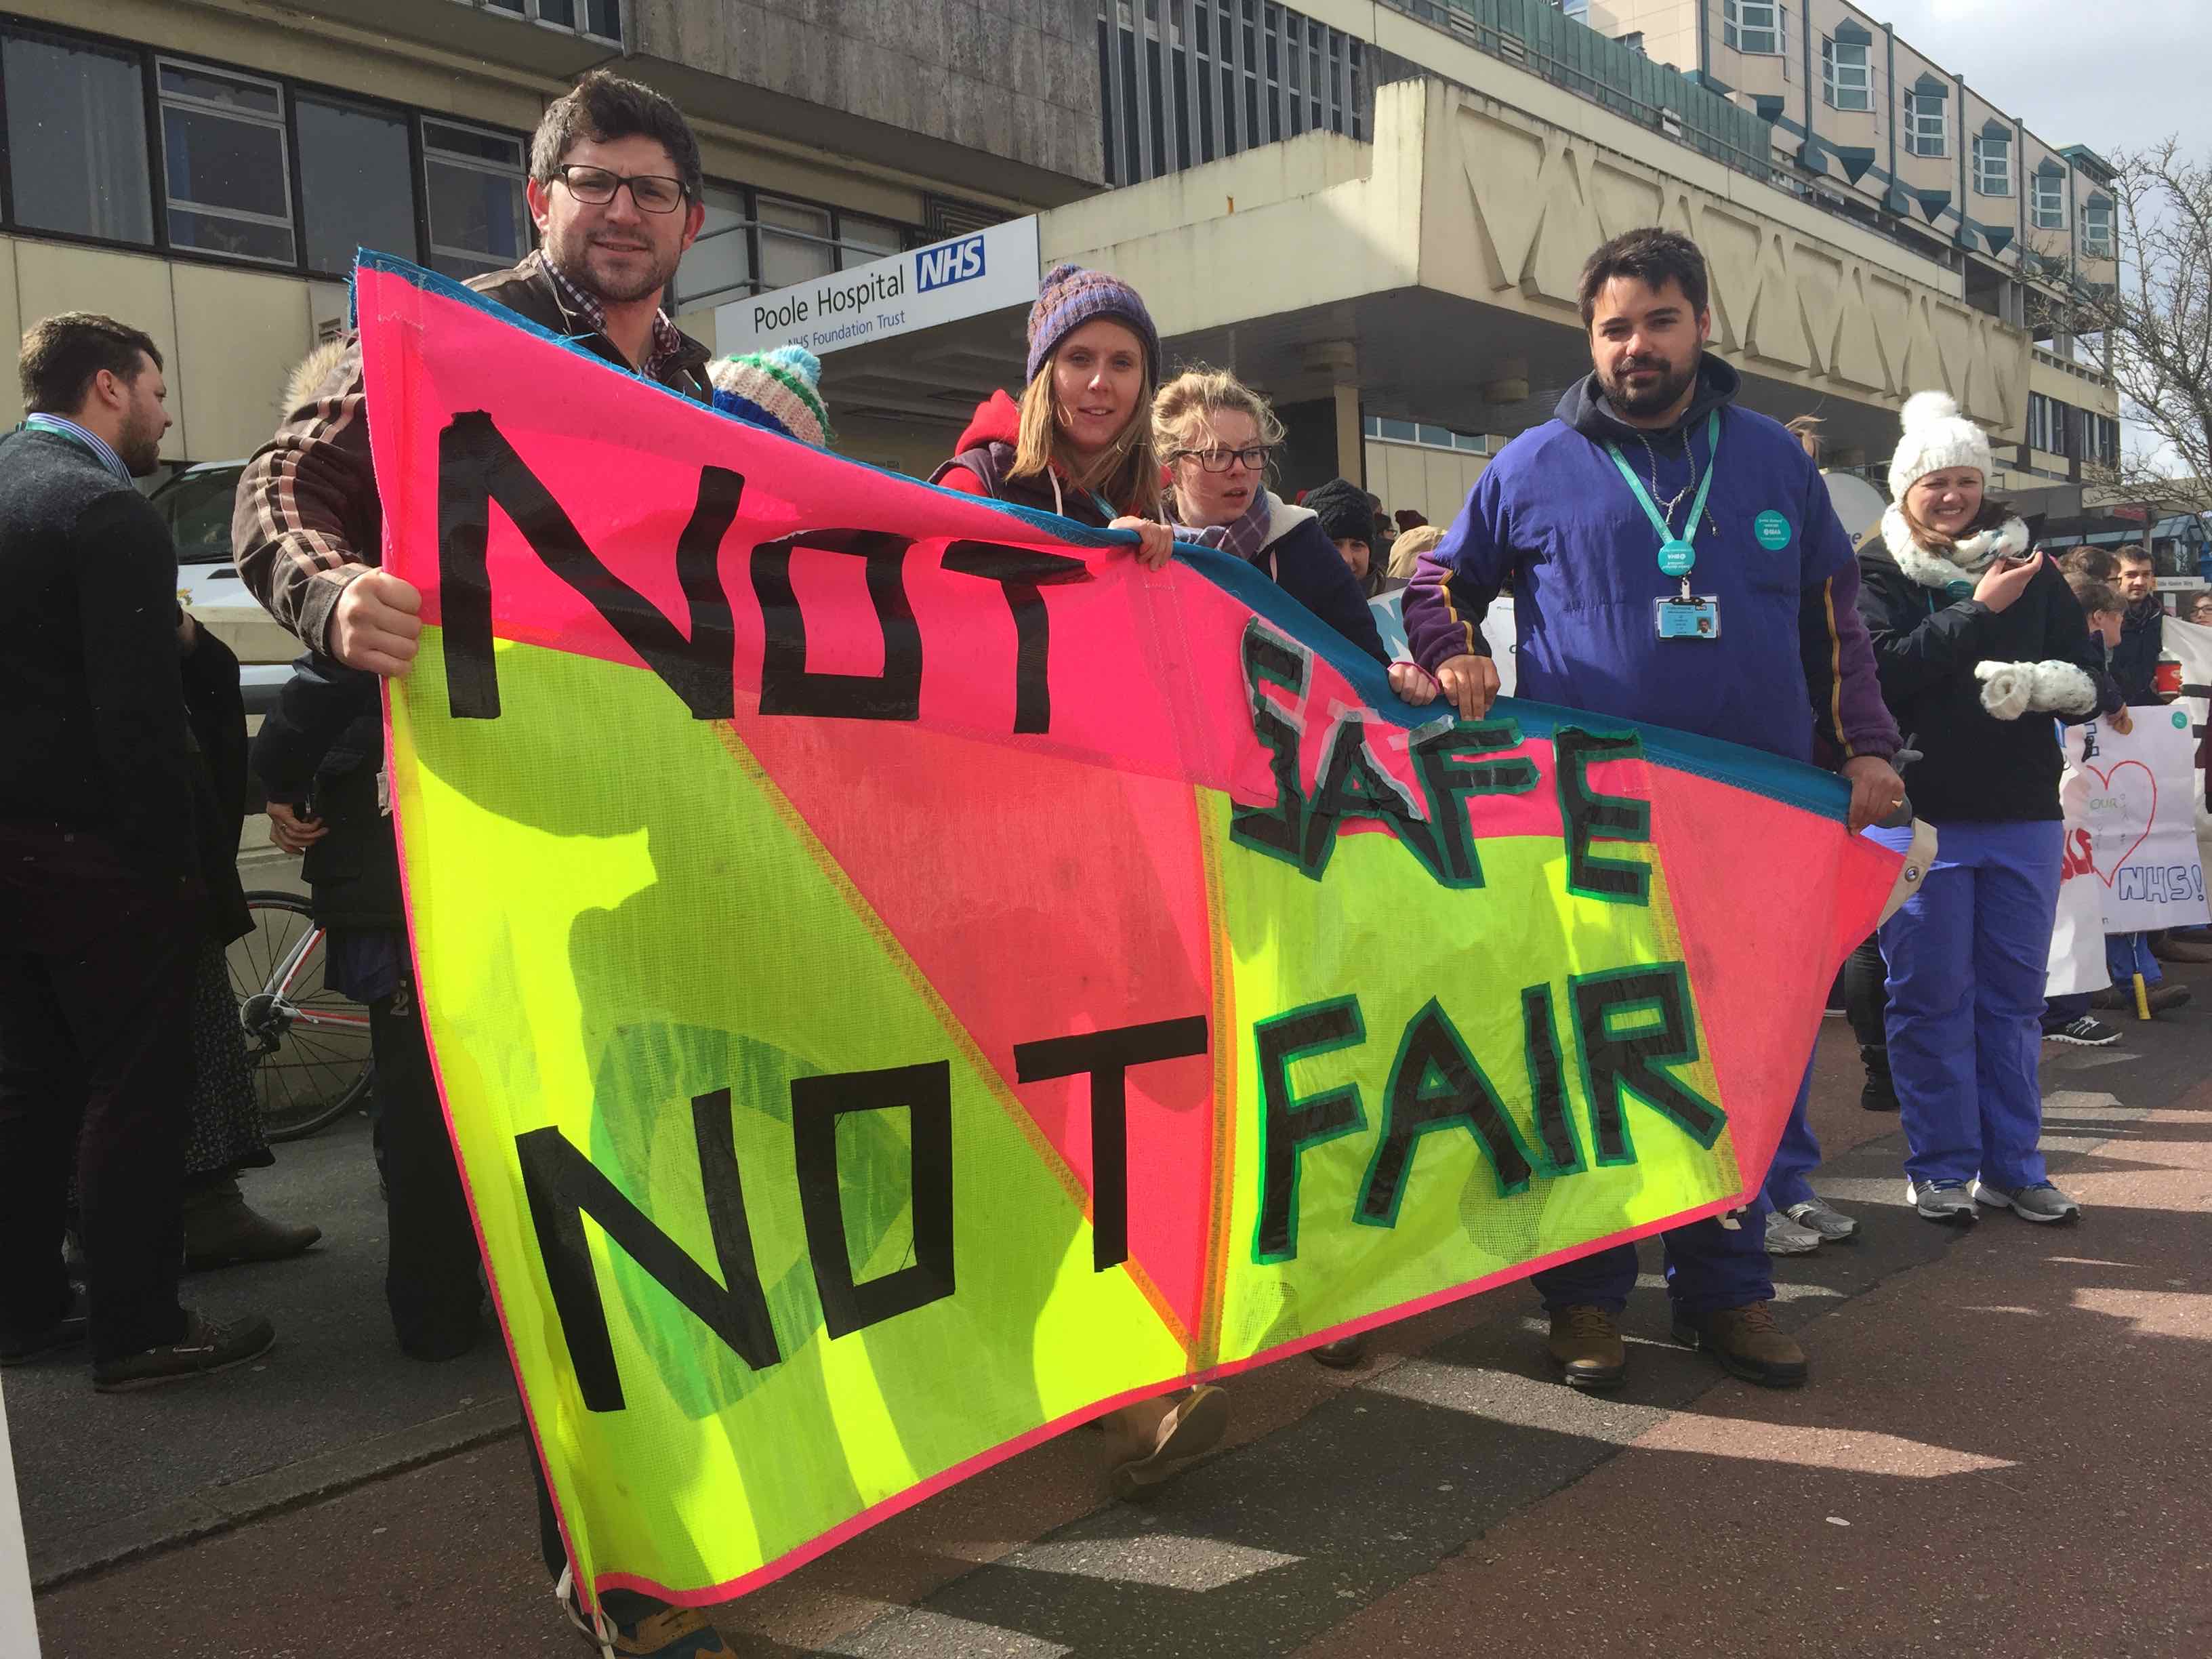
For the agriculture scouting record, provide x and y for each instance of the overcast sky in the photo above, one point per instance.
(2114, 75)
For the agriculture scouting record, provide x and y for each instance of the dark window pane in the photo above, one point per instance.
(1182, 108)
(251, 96)
(242, 239)
(562, 12)
(603, 19)
(466, 141)
(77, 142)
(1397, 431)
(478, 221)
(1158, 94)
(1132, 134)
(1106, 105)
(353, 185)
(216, 163)
(1205, 112)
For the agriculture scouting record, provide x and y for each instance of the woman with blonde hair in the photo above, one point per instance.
(1406, 553)
(1215, 435)
(1078, 443)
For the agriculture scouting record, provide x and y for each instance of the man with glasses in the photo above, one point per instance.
(614, 190)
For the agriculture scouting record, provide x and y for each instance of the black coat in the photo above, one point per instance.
(322, 746)
(1974, 767)
(215, 709)
(2135, 659)
(92, 732)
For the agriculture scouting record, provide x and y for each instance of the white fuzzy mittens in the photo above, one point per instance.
(2010, 689)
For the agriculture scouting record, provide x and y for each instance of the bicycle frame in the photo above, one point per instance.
(287, 972)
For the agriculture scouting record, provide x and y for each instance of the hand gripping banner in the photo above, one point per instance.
(904, 979)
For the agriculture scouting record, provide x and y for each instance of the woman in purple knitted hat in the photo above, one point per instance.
(1078, 442)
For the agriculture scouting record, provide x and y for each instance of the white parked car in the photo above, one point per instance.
(196, 503)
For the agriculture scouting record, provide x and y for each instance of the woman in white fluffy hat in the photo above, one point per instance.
(1982, 647)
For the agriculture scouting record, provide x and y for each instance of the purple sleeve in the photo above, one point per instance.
(1453, 586)
(1848, 710)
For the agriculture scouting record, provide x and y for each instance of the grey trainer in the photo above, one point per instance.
(1785, 1237)
(1824, 1219)
(2040, 1202)
(1949, 1201)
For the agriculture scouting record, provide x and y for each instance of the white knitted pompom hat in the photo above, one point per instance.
(1936, 437)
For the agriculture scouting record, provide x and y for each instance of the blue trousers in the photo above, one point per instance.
(1968, 956)
(1708, 1267)
(1788, 1178)
(2127, 955)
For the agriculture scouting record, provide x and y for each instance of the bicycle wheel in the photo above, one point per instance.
(309, 1044)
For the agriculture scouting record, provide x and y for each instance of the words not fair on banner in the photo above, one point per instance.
(904, 979)
(2135, 834)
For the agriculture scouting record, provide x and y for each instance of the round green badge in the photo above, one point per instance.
(1772, 531)
(2180, 721)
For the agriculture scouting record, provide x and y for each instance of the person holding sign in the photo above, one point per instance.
(1673, 559)
(1981, 642)
(1216, 434)
(1079, 442)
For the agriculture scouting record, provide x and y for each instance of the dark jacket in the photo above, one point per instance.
(1791, 672)
(308, 521)
(1302, 558)
(92, 732)
(215, 709)
(983, 461)
(1929, 640)
(323, 746)
(2135, 660)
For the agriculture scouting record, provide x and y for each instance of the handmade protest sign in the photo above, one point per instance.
(904, 979)
(2137, 833)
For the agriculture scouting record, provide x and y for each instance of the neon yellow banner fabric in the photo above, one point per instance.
(904, 979)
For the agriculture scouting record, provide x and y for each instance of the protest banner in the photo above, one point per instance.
(19, 1624)
(905, 979)
(2192, 646)
(2137, 833)
(2078, 963)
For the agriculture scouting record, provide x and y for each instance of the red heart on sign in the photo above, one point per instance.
(2105, 779)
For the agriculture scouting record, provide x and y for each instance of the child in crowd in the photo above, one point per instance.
(1979, 643)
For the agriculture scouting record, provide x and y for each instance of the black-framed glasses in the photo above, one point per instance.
(654, 193)
(1218, 460)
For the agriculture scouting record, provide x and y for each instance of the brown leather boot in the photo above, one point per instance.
(221, 1230)
(1585, 1343)
(1748, 1343)
(1342, 1355)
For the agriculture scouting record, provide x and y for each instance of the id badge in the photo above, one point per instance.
(1696, 618)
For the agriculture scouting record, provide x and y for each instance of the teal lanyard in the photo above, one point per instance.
(109, 462)
(1678, 554)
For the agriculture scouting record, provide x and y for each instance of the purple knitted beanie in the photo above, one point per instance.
(1070, 297)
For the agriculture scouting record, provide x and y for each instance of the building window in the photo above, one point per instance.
(1927, 129)
(354, 190)
(479, 221)
(224, 154)
(1846, 78)
(2050, 201)
(795, 242)
(718, 267)
(76, 140)
(1993, 164)
(1426, 436)
(2046, 424)
(2097, 228)
(1192, 81)
(598, 19)
(2104, 437)
(1751, 25)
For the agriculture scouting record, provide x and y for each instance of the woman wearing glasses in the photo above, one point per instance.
(1215, 433)
(1079, 442)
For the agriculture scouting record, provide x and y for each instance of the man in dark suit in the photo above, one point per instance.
(102, 908)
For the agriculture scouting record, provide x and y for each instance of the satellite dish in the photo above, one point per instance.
(1858, 504)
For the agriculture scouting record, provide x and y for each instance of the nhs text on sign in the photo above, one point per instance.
(953, 261)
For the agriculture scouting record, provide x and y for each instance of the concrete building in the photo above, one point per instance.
(1876, 130)
(1376, 210)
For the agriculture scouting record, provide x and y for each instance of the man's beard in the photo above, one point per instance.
(578, 264)
(1662, 394)
(139, 447)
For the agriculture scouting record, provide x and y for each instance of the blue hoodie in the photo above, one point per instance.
(1551, 518)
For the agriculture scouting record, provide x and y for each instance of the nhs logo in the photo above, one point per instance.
(955, 262)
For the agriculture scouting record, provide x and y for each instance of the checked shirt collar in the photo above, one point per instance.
(667, 340)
